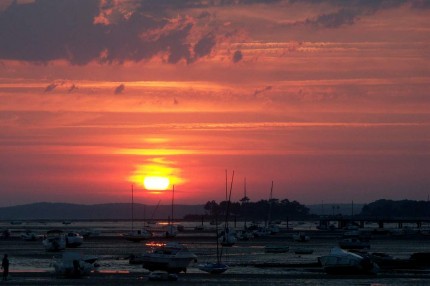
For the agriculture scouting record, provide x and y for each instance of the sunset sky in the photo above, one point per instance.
(328, 99)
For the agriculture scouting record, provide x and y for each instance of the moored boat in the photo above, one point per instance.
(29, 235)
(137, 235)
(74, 239)
(74, 265)
(171, 257)
(227, 237)
(343, 262)
(213, 268)
(54, 240)
(301, 237)
(218, 267)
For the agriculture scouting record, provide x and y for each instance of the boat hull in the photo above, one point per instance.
(171, 265)
(213, 268)
(347, 263)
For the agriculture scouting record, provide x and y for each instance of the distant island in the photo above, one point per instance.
(244, 210)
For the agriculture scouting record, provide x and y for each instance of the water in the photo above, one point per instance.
(113, 251)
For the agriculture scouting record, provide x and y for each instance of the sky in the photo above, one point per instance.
(329, 100)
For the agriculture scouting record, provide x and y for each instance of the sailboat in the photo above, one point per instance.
(217, 267)
(170, 229)
(138, 234)
(271, 227)
(228, 237)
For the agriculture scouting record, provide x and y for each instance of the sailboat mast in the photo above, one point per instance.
(218, 255)
(132, 207)
(270, 204)
(173, 198)
(228, 202)
(226, 184)
(244, 202)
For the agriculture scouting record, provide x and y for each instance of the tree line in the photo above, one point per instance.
(396, 209)
(267, 210)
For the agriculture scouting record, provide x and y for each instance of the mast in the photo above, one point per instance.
(132, 208)
(244, 190)
(226, 184)
(218, 255)
(155, 210)
(270, 204)
(173, 198)
(228, 202)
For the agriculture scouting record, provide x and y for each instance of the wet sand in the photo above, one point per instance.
(30, 263)
(45, 278)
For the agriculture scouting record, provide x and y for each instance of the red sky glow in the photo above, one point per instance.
(328, 99)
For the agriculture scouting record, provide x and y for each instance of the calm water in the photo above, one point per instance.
(112, 252)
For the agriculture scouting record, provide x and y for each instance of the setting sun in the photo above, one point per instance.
(154, 183)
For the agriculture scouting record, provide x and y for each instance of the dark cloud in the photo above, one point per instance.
(258, 91)
(72, 88)
(349, 12)
(334, 20)
(204, 46)
(83, 31)
(237, 56)
(119, 89)
(51, 87)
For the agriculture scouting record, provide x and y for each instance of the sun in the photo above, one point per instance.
(156, 183)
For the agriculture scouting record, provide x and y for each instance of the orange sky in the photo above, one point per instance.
(328, 99)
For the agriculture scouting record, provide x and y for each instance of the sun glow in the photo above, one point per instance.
(155, 183)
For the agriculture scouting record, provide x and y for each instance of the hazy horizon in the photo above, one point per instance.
(329, 100)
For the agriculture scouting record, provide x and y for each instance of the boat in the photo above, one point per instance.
(16, 222)
(74, 265)
(353, 243)
(228, 235)
(54, 240)
(74, 239)
(272, 228)
(276, 249)
(340, 261)
(172, 257)
(90, 233)
(418, 260)
(301, 237)
(29, 235)
(244, 235)
(215, 267)
(139, 234)
(261, 232)
(171, 230)
(386, 261)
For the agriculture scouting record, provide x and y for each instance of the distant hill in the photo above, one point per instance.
(396, 209)
(64, 211)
